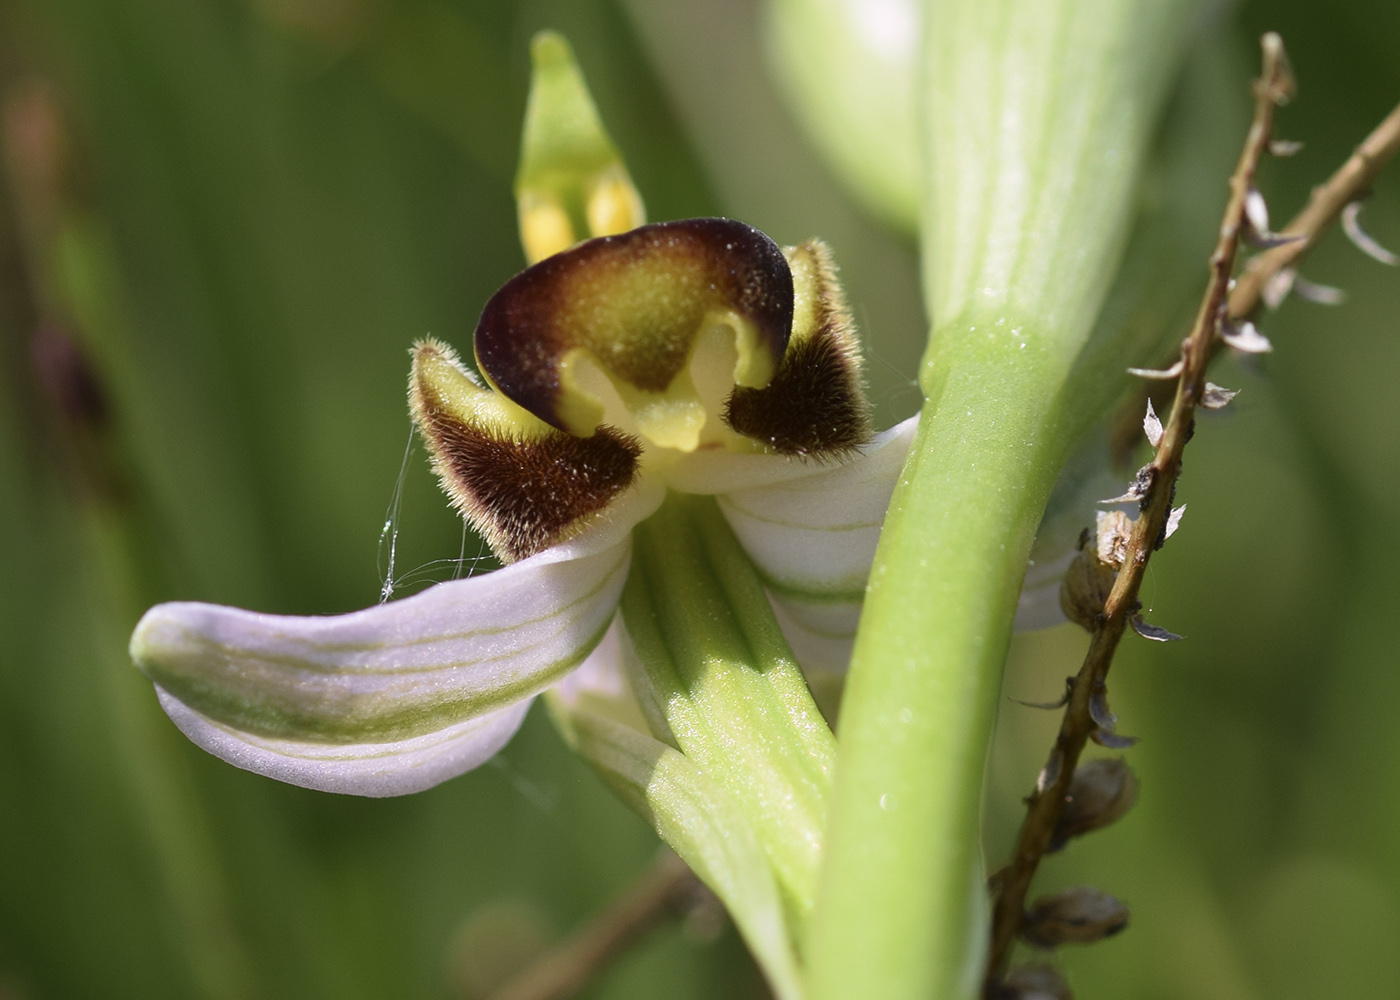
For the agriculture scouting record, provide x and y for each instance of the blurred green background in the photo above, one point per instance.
(241, 213)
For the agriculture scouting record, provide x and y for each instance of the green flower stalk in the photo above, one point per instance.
(1035, 120)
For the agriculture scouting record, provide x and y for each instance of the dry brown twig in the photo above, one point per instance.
(1271, 274)
(1351, 181)
(665, 890)
(1108, 613)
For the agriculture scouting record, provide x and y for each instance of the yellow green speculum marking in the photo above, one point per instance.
(634, 306)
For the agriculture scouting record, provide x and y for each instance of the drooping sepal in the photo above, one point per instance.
(375, 770)
(522, 484)
(572, 183)
(614, 324)
(815, 405)
(393, 698)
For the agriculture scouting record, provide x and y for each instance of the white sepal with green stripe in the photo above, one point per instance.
(398, 697)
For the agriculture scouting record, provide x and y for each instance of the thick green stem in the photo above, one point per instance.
(1036, 115)
(920, 702)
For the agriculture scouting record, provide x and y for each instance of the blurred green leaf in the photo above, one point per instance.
(272, 199)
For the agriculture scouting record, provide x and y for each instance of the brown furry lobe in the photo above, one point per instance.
(815, 406)
(636, 302)
(521, 492)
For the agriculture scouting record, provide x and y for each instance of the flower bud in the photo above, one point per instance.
(1089, 579)
(1085, 588)
(1100, 792)
(1078, 915)
(572, 183)
(1034, 982)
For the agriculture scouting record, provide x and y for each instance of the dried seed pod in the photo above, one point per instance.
(1085, 588)
(1089, 579)
(1113, 529)
(1034, 982)
(1100, 793)
(1078, 915)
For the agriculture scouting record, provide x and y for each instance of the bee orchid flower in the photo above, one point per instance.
(665, 440)
(691, 356)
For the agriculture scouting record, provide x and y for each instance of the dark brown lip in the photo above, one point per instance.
(636, 301)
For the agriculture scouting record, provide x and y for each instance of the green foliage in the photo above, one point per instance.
(271, 199)
(267, 212)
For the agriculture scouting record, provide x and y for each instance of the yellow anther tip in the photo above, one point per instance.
(614, 206)
(545, 228)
